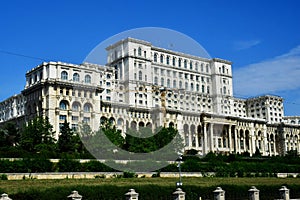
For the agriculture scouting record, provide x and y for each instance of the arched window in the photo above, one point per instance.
(75, 106)
(224, 90)
(87, 79)
(206, 68)
(76, 77)
(174, 84)
(87, 107)
(202, 67)
(180, 84)
(64, 75)
(208, 91)
(162, 81)
(192, 86)
(186, 85)
(203, 89)
(140, 75)
(155, 80)
(223, 69)
(63, 105)
(161, 58)
(174, 61)
(185, 63)
(168, 60)
(197, 87)
(196, 67)
(168, 83)
(179, 62)
(191, 65)
(155, 57)
(140, 51)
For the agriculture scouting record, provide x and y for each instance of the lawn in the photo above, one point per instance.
(14, 187)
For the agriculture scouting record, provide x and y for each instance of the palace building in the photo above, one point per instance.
(147, 86)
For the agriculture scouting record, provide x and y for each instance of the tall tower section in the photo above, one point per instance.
(222, 90)
(132, 60)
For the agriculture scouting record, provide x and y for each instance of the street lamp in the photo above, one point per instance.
(178, 184)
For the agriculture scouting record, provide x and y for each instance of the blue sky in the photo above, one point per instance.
(259, 37)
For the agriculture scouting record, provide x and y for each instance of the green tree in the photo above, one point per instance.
(9, 135)
(37, 135)
(65, 141)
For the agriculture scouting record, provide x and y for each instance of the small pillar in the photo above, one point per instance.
(5, 197)
(284, 193)
(253, 193)
(132, 195)
(219, 194)
(179, 194)
(75, 196)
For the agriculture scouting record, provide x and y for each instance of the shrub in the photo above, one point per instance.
(3, 177)
(68, 165)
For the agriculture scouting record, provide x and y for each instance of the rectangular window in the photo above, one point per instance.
(62, 117)
(75, 118)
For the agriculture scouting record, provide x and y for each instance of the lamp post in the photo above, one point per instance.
(178, 184)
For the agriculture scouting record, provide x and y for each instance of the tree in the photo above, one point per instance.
(65, 141)
(9, 135)
(37, 135)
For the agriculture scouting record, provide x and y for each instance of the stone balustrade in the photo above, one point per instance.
(179, 194)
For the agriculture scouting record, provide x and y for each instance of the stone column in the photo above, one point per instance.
(253, 193)
(5, 197)
(132, 195)
(235, 141)
(284, 193)
(75, 196)
(197, 137)
(229, 138)
(219, 194)
(179, 194)
(211, 134)
(204, 139)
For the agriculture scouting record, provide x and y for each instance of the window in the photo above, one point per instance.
(186, 85)
(185, 63)
(63, 105)
(75, 118)
(203, 89)
(161, 58)
(74, 127)
(155, 80)
(140, 51)
(196, 67)
(87, 108)
(179, 62)
(191, 65)
(76, 77)
(174, 84)
(140, 75)
(64, 75)
(202, 67)
(162, 80)
(62, 117)
(180, 84)
(168, 83)
(197, 88)
(174, 61)
(75, 106)
(192, 86)
(155, 57)
(206, 68)
(107, 83)
(168, 60)
(86, 120)
(87, 79)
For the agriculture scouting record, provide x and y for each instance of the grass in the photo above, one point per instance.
(17, 186)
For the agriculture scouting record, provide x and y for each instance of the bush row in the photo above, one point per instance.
(222, 169)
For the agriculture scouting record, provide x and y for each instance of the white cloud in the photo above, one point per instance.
(269, 77)
(241, 45)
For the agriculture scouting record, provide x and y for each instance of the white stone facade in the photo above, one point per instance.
(143, 85)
